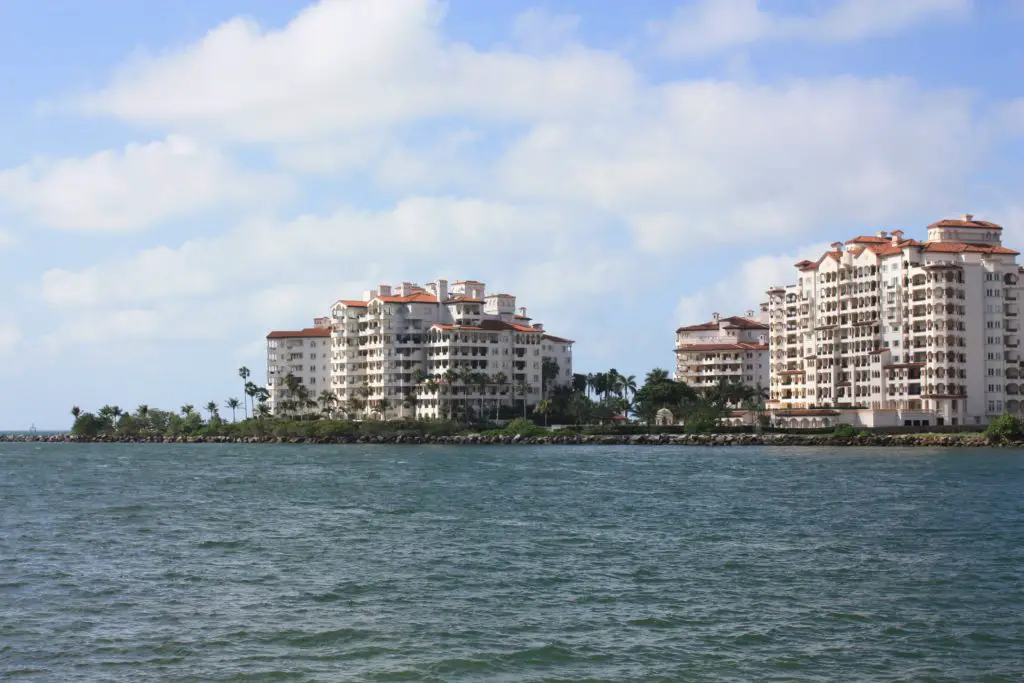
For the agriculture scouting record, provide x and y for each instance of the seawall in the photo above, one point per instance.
(795, 440)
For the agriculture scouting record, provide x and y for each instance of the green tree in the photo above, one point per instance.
(501, 382)
(76, 412)
(211, 408)
(549, 370)
(327, 401)
(244, 373)
(1004, 428)
(544, 409)
(233, 404)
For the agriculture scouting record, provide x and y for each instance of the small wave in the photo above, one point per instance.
(652, 622)
(332, 637)
(220, 544)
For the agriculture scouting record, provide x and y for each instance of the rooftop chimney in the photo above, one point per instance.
(897, 235)
(714, 317)
(968, 217)
(750, 313)
(883, 234)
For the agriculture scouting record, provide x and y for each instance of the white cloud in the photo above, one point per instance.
(745, 288)
(7, 239)
(707, 26)
(132, 188)
(716, 162)
(349, 66)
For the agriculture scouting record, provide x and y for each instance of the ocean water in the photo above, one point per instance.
(354, 563)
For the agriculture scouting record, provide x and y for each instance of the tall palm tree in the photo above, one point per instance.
(481, 380)
(501, 381)
(252, 391)
(450, 377)
(524, 389)
(244, 373)
(410, 401)
(549, 370)
(233, 404)
(117, 413)
(211, 408)
(75, 412)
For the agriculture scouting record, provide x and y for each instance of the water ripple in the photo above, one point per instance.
(424, 563)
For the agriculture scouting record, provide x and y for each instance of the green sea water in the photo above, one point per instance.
(430, 563)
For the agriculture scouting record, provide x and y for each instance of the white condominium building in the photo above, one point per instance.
(902, 331)
(733, 349)
(434, 351)
(304, 354)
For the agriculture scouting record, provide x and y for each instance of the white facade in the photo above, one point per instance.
(306, 354)
(406, 351)
(733, 349)
(902, 331)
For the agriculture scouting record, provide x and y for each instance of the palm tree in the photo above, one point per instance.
(327, 401)
(524, 389)
(543, 408)
(501, 381)
(188, 409)
(548, 371)
(253, 392)
(579, 383)
(211, 408)
(449, 377)
(75, 412)
(233, 404)
(656, 376)
(244, 373)
(481, 379)
(117, 413)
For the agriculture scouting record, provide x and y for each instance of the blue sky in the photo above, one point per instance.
(178, 178)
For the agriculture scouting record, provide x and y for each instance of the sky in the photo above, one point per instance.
(179, 177)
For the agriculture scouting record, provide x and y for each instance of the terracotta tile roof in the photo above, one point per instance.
(721, 347)
(735, 321)
(463, 300)
(869, 239)
(558, 340)
(488, 326)
(467, 282)
(354, 303)
(960, 223)
(416, 298)
(296, 334)
(960, 247)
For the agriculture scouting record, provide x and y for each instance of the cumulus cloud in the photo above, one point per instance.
(719, 162)
(129, 189)
(707, 26)
(348, 66)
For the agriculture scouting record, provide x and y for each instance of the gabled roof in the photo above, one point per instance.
(414, 298)
(354, 303)
(297, 334)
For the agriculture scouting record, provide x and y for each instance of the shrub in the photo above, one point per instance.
(1004, 428)
(844, 430)
(523, 428)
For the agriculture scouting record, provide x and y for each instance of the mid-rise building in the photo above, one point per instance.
(733, 349)
(438, 351)
(304, 354)
(896, 331)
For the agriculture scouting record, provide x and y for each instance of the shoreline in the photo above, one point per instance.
(968, 440)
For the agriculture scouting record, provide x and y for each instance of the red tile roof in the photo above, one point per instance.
(960, 223)
(295, 334)
(354, 303)
(464, 300)
(489, 326)
(415, 298)
(735, 321)
(558, 340)
(721, 347)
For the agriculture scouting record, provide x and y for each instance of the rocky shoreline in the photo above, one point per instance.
(873, 440)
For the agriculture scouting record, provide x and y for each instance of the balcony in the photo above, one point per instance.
(1011, 310)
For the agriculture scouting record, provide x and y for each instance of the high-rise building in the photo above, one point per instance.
(437, 351)
(733, 349)
(305, 355)
(901, 332)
